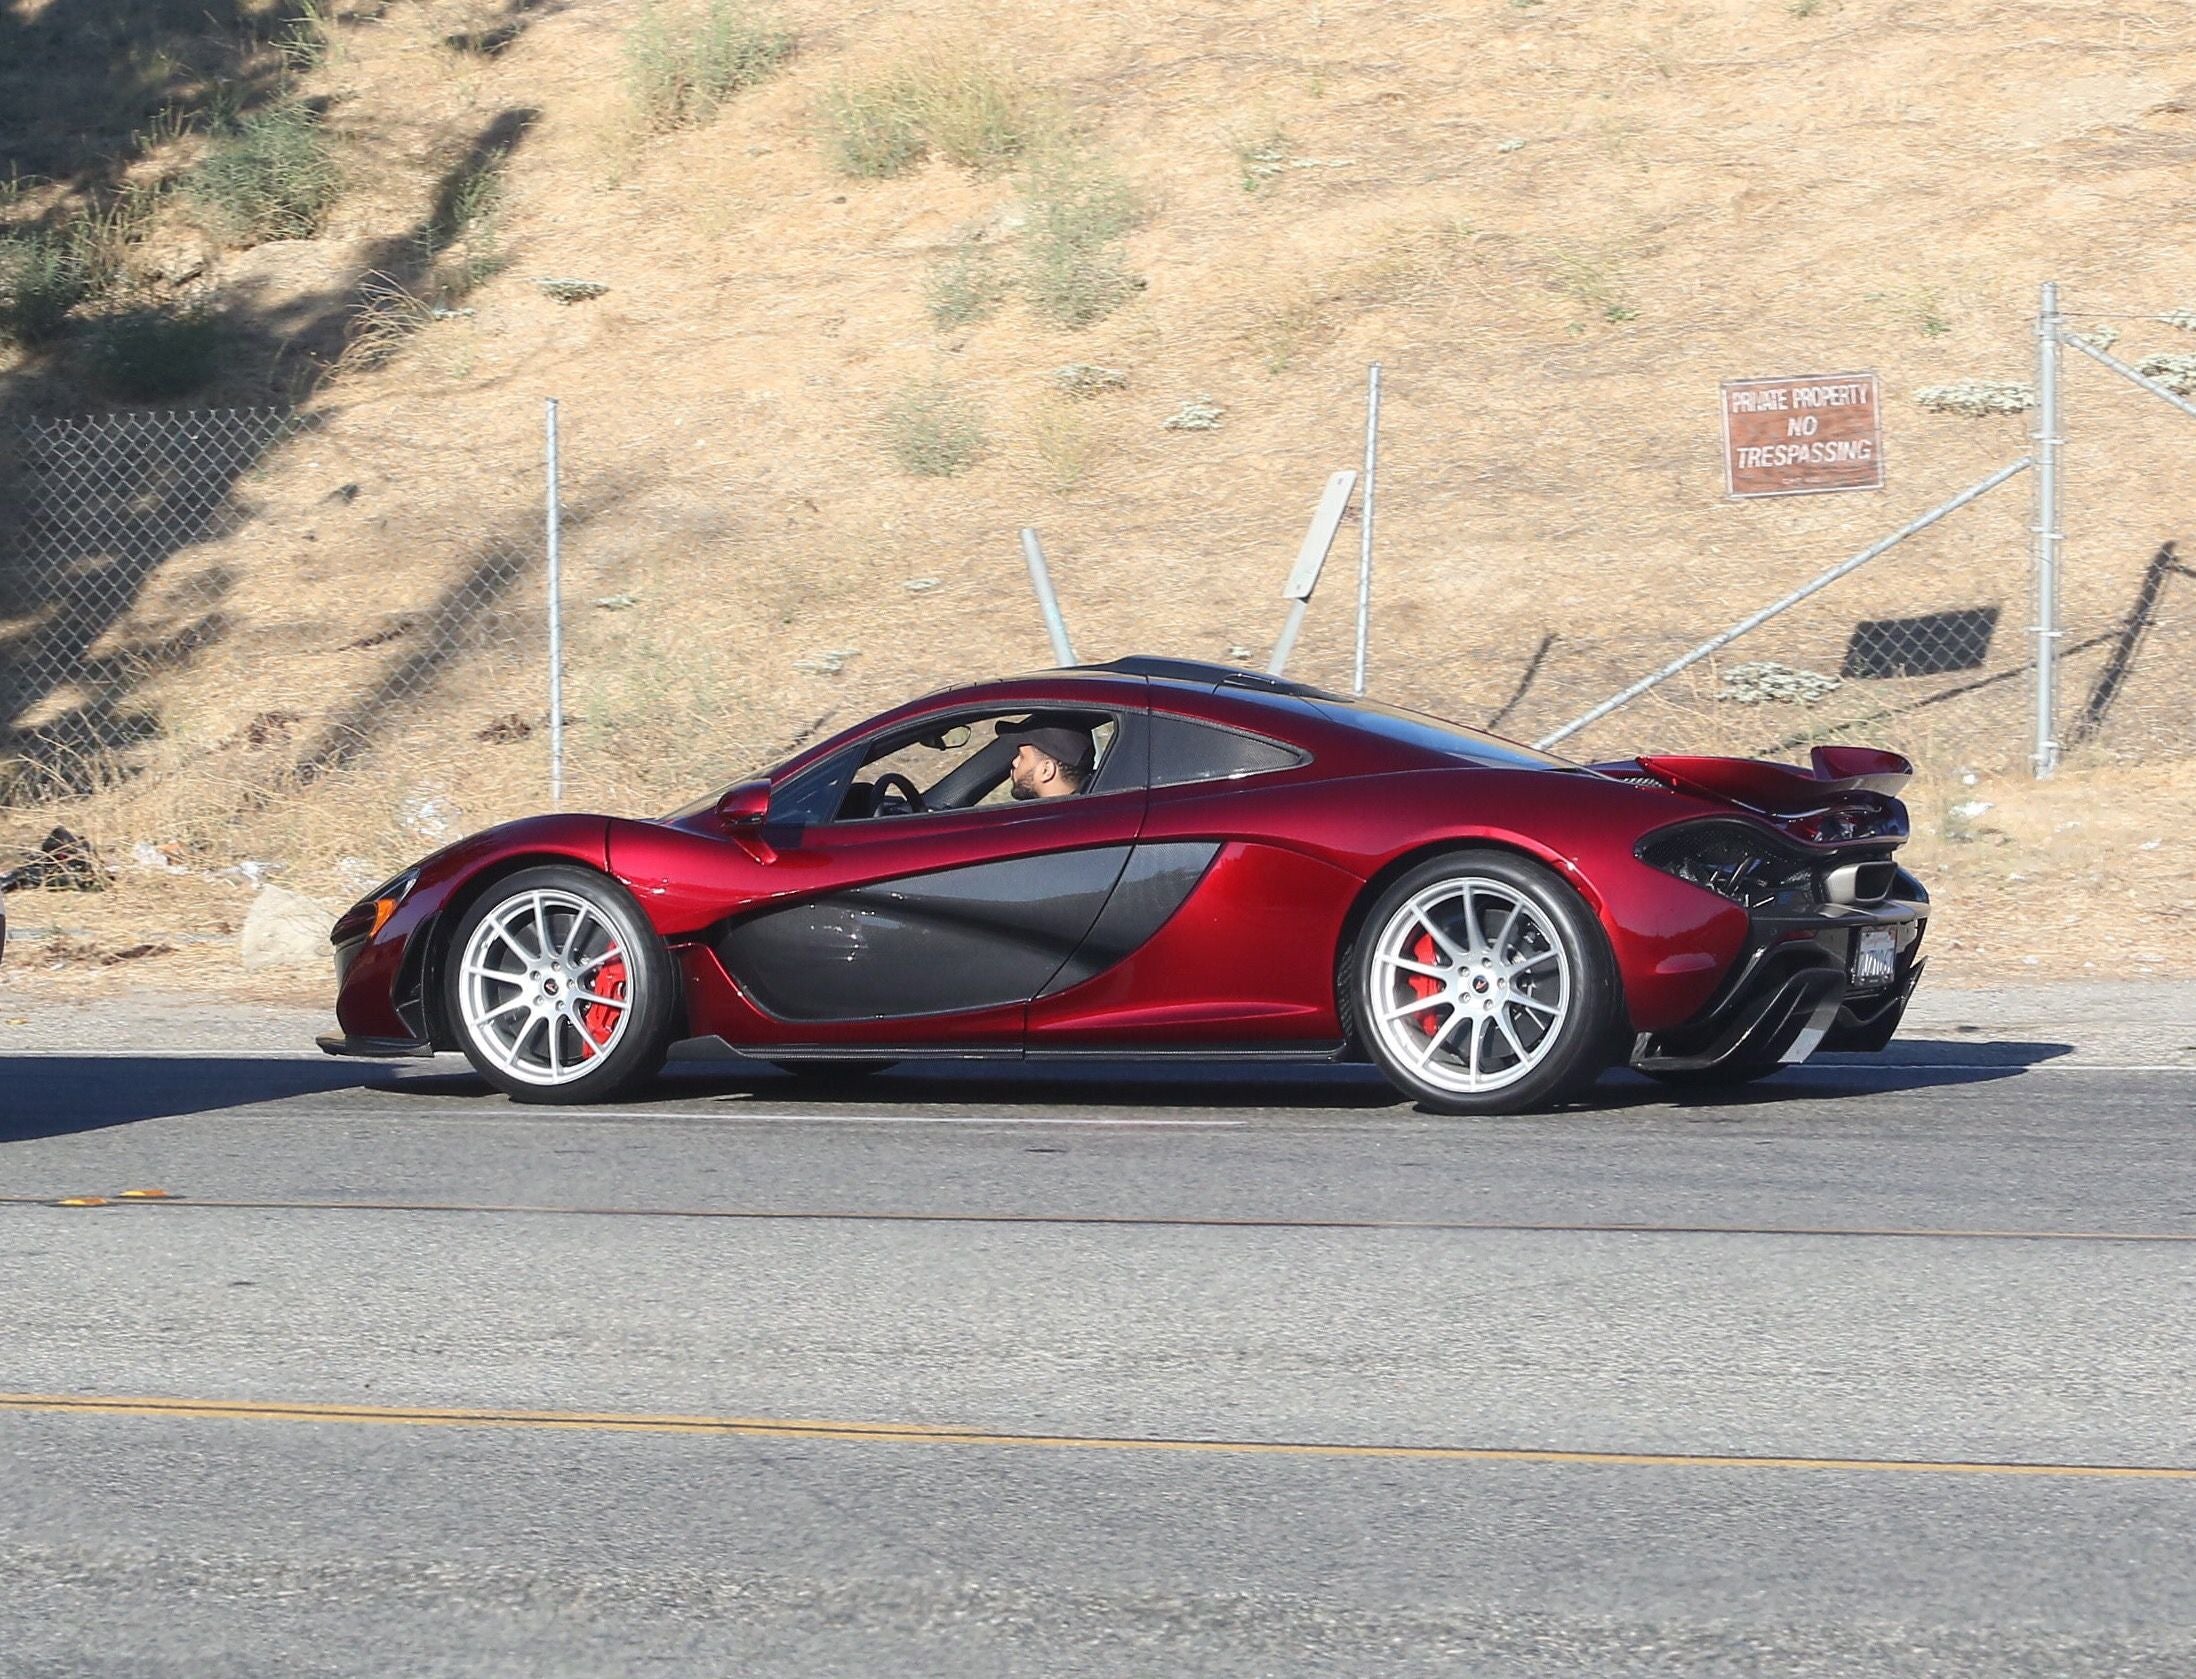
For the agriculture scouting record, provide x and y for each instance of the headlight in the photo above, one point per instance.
(1733, 861)
(371, 913)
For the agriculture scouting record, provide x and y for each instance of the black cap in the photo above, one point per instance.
(1060, 736)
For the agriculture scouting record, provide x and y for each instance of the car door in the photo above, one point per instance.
(932, 928)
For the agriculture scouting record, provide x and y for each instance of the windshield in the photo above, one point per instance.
(1437, 734)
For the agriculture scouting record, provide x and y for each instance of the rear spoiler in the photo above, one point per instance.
(1778, 789)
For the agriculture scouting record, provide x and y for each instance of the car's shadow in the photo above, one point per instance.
(61, 1095)
(1191, 1085)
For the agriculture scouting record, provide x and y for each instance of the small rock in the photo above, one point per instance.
(2175, 372)
(1083, 378)
(250, 872)
(285, 930)
(429, 815)
(174, 264)
(1977, 397)
(358, 874)
(1200, 414)
(157, 859)
(1765, 682)
(572, 291)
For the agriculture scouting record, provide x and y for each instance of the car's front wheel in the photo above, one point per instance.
(558, 988)
(1482, 984)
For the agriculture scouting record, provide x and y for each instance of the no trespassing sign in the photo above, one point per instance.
(1800, 436)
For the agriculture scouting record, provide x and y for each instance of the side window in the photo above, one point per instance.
(1183, 752)
(964, 762)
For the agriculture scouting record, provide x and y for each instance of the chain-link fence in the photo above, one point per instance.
(1932, 644)
(203, 615)
(249, 634)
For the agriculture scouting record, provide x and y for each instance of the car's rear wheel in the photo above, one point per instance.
(1482, 984)
(558, 988)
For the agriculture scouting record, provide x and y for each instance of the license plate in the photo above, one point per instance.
(1875, 956)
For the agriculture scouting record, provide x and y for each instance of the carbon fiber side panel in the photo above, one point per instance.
(967, 938)
(1156, 883)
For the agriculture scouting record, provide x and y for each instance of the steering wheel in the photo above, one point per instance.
(892, 781)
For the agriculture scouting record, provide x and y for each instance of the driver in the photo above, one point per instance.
(1054, 758)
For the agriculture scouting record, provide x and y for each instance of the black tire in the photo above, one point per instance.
(1566, 1057)
(651, 988)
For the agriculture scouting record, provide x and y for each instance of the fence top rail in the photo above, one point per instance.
(1813, 586)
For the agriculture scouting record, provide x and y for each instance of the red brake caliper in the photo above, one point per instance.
(1424, 985)
(600, 1019)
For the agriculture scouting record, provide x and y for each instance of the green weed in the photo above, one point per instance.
(953, 102)
(680, 74)
(869, 134)
(1263, 159)
(271, 175)
(308, 38)
(464, 236)
(1076, 211)
(42, 277)
(965, 285)
(933, 431)
(1597, 281)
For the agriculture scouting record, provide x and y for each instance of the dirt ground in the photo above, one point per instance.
(2087, 876)
(1558, 227)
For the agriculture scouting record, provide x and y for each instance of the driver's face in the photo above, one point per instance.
(1035, 774)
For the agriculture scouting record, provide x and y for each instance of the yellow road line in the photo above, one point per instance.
(927, 1434)
(1185, 1221)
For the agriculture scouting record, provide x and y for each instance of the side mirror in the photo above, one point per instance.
(745, 805)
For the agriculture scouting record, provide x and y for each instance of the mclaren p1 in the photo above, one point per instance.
(1156, 857)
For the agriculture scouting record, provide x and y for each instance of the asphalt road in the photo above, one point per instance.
(1878, 1369)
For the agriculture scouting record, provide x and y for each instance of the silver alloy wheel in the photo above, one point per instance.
(1470, 985)
(533, 991)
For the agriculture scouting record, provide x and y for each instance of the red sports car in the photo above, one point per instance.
(1157, 857)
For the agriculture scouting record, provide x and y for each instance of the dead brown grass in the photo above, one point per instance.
(1557, 228)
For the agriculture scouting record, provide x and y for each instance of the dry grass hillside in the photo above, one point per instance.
(838, 259)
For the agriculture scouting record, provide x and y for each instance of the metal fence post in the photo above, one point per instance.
(1040, 579)
(2047, 441)
(1311, 559)
(1365, 534)
(553, 526)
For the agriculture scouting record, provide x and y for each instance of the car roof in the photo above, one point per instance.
(1297, 712)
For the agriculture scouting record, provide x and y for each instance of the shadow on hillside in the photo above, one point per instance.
(95, 508)
(2127, 641)
(83, 83)
(492, 39)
